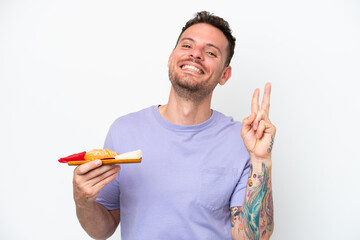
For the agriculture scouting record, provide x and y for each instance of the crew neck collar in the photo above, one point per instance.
(185, 128)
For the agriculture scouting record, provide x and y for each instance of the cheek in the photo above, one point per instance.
(215, 66)
(171, 62)
(217, 73)
(174, 58)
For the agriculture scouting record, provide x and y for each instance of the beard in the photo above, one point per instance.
(186, 88)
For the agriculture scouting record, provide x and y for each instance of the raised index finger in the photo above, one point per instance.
(255, 101)
(265, 104)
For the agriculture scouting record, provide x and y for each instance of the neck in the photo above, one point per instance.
(184, 111)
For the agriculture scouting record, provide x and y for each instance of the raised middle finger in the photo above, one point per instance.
(265, 104)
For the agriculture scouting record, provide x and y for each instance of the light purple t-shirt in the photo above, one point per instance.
(189, 177)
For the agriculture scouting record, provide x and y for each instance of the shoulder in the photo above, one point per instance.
(133, 117)
(227, 123)
(228, 130)
(128, 129)
(132, 121)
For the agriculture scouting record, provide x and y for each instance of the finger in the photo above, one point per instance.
(247, 123)
(86, 189)
(101, 184)
(260, 116)
(265, 104)
(87, 192)
(261, 129)
(255, 101)
(87, 167)
(94, 181)
(97, 172)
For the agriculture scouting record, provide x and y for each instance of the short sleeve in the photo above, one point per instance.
(238, 196)
(109, 196)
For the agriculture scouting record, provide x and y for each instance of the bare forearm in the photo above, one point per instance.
(254, 220)
(96, 220)
(89, 179)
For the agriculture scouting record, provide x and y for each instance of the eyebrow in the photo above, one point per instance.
(208, 44)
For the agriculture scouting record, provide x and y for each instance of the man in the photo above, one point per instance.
(199, 179)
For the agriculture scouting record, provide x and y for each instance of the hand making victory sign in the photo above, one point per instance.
(257, 131)
(254, 220)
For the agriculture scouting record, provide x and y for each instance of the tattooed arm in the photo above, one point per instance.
(254, 220)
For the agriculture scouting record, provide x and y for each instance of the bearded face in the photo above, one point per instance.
(197, 63)
(188, 88)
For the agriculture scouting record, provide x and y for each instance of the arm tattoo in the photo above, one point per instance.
(255, 218)
(237, 224)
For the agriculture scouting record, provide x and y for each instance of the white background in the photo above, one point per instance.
(69, 68)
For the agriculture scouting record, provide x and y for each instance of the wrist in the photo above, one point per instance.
(260, 160)
(85, 204)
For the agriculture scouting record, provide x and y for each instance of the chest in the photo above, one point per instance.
(207, 177)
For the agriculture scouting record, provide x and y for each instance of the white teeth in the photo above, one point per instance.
(191, 68)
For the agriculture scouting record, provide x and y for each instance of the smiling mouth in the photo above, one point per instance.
(192, 68)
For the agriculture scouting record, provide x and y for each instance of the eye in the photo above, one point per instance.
(186, 46)
(212, 54)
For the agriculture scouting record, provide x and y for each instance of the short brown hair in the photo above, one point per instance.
(219, 23)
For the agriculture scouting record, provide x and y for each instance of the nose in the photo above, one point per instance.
(196, 54)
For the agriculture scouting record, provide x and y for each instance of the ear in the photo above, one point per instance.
(170, 57)
(225, 76)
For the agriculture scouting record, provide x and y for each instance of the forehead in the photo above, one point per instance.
(206, 34)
